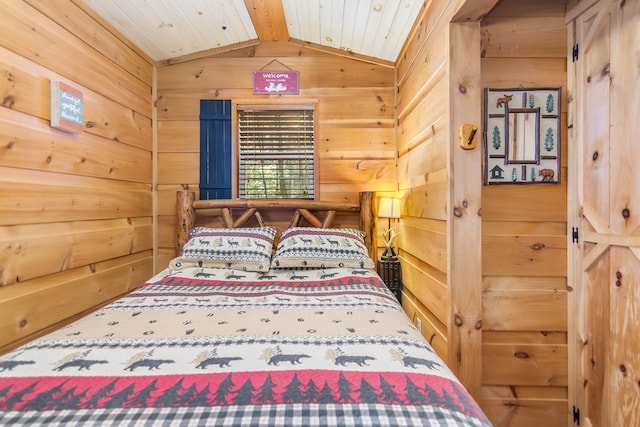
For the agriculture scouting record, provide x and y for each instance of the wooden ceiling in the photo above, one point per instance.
(168, 30)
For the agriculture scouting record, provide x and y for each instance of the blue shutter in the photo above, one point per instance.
(215, 149)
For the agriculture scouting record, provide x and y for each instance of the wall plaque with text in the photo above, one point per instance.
(276, 82)
(66, 107)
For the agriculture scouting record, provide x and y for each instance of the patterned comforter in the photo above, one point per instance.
(224, 347)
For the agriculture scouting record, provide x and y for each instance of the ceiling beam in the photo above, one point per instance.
(474, 10)
(344, 53)
(268, 19)
(208, 52)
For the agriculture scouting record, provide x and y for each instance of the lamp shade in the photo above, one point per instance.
(389, 207)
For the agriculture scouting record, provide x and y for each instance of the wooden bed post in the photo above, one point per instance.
(185, 218)
(367, 222)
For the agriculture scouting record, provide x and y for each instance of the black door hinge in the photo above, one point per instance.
(575, 53)
(576, 415)
(574, 235)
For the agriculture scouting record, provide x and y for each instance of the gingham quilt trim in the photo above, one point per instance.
(308, 415)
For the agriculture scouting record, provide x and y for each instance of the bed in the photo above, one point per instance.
(249, 325)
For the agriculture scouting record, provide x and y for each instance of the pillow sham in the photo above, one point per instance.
(247, 249)
(309, 247)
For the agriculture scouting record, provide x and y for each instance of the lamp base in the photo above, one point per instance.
(391, 273)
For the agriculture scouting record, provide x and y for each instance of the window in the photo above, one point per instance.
(276, 152)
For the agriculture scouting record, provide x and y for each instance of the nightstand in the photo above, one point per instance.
(391, 273)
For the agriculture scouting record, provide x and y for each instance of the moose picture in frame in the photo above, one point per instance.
(522, 135)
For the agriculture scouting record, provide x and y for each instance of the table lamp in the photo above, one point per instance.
(389, 208)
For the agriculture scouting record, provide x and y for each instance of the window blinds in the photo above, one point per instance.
(276, 153)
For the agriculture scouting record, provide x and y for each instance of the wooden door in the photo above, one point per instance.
(604, 213)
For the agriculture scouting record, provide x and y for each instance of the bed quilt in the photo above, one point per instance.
(202, 347)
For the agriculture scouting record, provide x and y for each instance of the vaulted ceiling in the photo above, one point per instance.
(170, 29)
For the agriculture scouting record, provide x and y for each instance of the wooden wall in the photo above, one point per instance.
(523, 352)
(75, 209)
(438, 78)
(524, 243)
(423, 124)
(354, 103)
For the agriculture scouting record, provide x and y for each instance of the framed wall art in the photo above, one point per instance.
(66, 107)
(522, 135)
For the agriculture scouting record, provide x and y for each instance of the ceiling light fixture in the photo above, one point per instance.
(377, 7)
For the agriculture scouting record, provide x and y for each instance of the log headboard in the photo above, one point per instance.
(189, 211)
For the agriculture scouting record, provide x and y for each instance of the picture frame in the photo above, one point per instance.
(522, 140)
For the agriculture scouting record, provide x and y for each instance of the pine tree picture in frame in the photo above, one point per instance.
(522, 135)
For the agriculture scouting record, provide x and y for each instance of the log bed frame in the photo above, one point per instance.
(188, 209)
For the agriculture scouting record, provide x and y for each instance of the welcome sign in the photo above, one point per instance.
(276, 82)
(66, 107)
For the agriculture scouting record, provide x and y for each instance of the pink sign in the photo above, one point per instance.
(276, 82)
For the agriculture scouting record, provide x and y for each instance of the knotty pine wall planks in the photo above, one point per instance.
(523, 355)
(354, 103)
(524, 243)
(76, 209)
(423, 168)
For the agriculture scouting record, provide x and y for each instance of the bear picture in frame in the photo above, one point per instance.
(522, 135)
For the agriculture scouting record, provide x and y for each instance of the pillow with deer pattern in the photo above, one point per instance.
(245, 249)
(309, 247)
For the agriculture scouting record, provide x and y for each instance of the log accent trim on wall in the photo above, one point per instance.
(464, 222)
